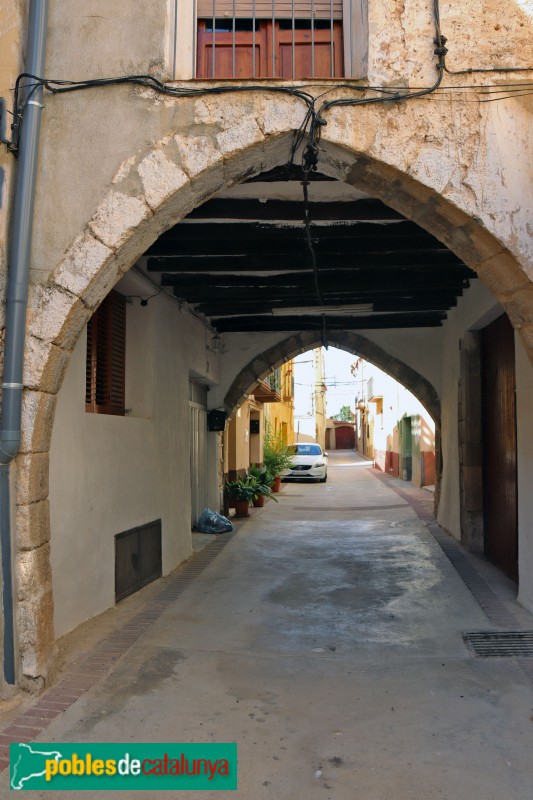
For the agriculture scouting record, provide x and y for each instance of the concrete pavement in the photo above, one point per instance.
(325, 639)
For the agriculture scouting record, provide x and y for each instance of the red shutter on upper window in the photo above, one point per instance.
(265, 9)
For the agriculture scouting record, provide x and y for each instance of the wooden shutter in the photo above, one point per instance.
(283, 9)
(106, 355)
(117, 356)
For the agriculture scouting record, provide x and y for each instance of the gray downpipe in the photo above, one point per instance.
(17, 302)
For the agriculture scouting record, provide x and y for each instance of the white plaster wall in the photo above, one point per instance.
(524, 408)
(418, 348)
(109, 474)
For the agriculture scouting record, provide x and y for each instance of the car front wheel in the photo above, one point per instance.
(324, 479)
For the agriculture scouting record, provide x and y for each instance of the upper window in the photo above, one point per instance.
(106, 356)
(291, 39)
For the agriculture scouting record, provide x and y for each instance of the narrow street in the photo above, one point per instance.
(325, 639)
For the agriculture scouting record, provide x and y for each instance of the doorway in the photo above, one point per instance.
(499, 467)
(198, 450)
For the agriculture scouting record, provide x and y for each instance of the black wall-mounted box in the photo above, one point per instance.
(216, 420)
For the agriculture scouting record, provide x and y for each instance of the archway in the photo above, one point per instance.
(153, 191)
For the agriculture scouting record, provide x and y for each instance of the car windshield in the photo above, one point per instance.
(306, 450)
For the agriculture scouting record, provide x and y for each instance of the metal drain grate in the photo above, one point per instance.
(500, 644)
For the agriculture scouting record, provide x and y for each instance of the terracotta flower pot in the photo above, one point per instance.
(276, 486)
(259, 501)
(242, 508)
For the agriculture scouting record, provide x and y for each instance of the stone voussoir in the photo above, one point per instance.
(55, 315)
(85, 258)
(44, 365)
(36, 633)
(33, 525)
(117, 217)
(161, 178)
(34, 573)
(197, 154)
(32, 477)
(37, 414)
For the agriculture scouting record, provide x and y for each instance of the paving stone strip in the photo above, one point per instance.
(89, 668)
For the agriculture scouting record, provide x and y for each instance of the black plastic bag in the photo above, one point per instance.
(211, 522)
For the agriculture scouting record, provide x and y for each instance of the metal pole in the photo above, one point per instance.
(17, 301)
(253, 38)
(213, 41)
(233, 42)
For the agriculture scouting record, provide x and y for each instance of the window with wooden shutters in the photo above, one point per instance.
(292, 39)
(106, 355)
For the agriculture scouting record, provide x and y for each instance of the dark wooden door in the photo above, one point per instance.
(499, 445)
(344, 438)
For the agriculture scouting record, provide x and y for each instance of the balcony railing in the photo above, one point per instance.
(268, 389)
(248, 39)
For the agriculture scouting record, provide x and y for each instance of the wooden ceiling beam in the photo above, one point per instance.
(349, 261)
(352, 211)
(365, 291)
(418, 277)
(392, 304)
(297, 323)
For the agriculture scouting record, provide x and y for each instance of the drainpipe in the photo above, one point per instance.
(17, 302)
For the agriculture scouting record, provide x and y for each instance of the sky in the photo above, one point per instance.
(339, 380)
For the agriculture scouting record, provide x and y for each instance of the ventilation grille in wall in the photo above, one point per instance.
(137, 558)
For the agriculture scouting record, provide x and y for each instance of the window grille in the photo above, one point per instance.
(288, 39)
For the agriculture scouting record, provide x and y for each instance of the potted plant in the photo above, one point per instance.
(264, 485)
(242, 491)
(276, 456)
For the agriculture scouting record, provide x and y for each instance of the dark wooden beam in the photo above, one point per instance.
(349, 292)
(216, 311)
(415, 276)
(304, 323)
(239, 237)
(426, 258)
(288, 172)
(353, 211)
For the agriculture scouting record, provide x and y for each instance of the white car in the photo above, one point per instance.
(309, 461)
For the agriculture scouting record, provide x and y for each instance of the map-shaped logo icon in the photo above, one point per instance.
(29, 762)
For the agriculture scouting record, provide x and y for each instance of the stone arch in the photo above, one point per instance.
(354, 343)
(149, 193)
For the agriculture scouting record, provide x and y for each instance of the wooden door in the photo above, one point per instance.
(499, 445)
(344, 438)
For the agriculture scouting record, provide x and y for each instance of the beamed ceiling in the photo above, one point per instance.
(242, 261)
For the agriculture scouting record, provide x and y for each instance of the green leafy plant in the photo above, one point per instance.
(264, 481)
(243, 488)
(276, 455)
